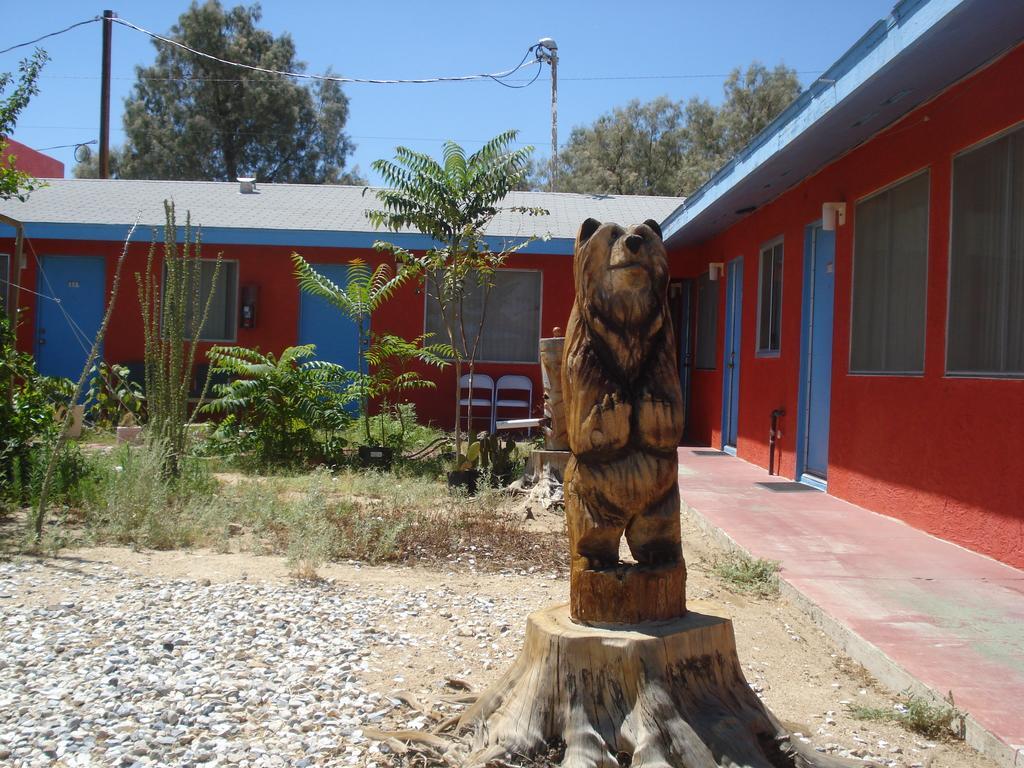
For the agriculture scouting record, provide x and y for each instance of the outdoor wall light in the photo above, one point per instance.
(828, 215)
(715, 269)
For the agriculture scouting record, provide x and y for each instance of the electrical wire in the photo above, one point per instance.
(496, 76)
(51, 34)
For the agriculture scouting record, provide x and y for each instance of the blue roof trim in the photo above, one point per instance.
(909, 21)
(287, 238)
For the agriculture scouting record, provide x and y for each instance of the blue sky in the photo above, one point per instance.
(610, 53)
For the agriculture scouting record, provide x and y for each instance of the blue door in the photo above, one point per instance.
(816, 355)
(323, 324)
(69, 312)
(731, 358)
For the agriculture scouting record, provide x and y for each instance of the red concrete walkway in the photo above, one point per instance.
(915, 610)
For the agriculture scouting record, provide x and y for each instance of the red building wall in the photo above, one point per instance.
(270, 268)
(942, 453)
(32, 162)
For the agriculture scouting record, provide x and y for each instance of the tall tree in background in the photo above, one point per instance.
(15, 183)
(189, 117)
(665, 147)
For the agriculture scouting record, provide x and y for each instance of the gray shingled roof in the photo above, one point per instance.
(300, 206)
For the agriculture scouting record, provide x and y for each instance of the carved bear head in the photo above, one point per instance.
(621, 279)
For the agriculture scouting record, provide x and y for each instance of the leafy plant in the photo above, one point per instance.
(113, 397)
(498, 458)
(748, 574)
(285, 410)
(470, 459)
(933, 721)
(388, 376)
(15, 183)
(170, 342)
(452, 202)
(364, 292)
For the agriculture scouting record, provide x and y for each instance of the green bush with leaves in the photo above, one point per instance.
(388, 377)
(114, 399)
(29, 406)
(282, 411)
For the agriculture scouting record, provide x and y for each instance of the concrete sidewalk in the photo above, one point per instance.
(918, 612)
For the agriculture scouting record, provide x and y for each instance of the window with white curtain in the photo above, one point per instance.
(707, 322)
(511, 330)
(769, 301)
(890, 276)
(985, 332)
(221, 322)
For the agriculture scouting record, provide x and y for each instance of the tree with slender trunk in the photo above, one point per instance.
(452, 202)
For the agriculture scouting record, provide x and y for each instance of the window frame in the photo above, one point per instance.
(769, 247)
(429, 300)
(713, 290)
(991, 138)
(238, 297)
(926, 170)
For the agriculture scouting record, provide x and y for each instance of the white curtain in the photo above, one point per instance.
(890, 274)
(986, 295)
(511, 330)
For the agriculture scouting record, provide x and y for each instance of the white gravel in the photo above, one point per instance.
(139, 672)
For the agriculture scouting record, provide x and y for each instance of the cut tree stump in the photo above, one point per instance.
(656, 695)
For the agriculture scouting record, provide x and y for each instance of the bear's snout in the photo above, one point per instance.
(634, 242)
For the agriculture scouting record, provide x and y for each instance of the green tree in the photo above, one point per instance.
(666, 147)
(452, 202)
(190, 117)
(15, 183)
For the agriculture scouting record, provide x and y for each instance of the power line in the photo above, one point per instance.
(594, 78)
(496, 76)
(51, 34)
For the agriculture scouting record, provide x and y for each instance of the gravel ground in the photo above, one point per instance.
(115, 658)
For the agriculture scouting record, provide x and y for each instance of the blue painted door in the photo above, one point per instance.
(731, 358)
(68, 319)
(321, 323)
(816, 359)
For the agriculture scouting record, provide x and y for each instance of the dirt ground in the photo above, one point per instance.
(796, 669)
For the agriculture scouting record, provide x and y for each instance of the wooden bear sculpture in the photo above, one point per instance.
(624, 416)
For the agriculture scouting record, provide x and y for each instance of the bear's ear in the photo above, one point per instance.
(587, 228)
(655, 226)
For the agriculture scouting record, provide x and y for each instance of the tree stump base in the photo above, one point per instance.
(629, 594)
(656, 695)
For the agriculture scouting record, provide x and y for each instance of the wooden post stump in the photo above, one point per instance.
(655, 695)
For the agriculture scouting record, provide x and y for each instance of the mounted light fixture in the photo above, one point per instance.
(715, 270)
(828, 215)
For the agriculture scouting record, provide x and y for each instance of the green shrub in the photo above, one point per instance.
(748, 574)
(113, 398)
(933, 721)
(286, 411)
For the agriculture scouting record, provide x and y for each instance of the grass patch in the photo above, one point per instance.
(747, 574)
(940, 722)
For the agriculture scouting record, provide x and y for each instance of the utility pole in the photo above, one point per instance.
(548, 51)
(108, 28)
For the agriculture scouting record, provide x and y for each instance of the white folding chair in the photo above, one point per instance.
(509, 393)
(482, 398)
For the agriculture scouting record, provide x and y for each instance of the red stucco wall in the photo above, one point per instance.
(942, 453)
(269, 267)
(32, 162)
